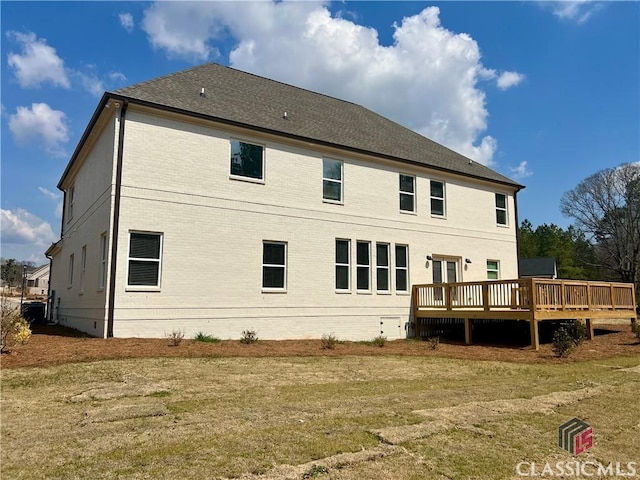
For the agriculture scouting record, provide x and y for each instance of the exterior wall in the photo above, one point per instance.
(176, 182)
(85, 309)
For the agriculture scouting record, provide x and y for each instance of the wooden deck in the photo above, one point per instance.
(531, 299)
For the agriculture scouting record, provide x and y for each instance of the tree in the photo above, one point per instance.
(12, 271)
(606, 207)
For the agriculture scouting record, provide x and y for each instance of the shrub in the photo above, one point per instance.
(379, 341)
(203, 337)
(434, 342)
(175, 337)
(14, 328)
(329, 341)
(576, 330)
(248, 337)
(315, 471)
(563, 343)
(635, 328)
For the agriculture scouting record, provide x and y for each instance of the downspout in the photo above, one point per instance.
(116, 223)
(515, 211)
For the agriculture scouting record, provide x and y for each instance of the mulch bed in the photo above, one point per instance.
(55, 345)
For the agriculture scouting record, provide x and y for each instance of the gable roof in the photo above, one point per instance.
(240, 98)
(538, 267)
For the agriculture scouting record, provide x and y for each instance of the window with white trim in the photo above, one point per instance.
(382, 267)
(402, 268)
(501, 209)
(70, 275)
(70, 201)
(83, 267)
(274, 265)
(247, 160)
(363, 266)
(407, 193)
(145, 254)
(493, 270)
(102, 278)
(437, 198)
(332, 180)
(343, 267)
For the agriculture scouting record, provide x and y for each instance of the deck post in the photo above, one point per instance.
(467, 331)
(589, 324)
(535, 337)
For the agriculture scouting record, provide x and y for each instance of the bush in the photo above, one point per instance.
(329, 341)
(14, 328)
(563, 343)
(379, 341)
(434, 342)
(315, 471)
(248, 337)
(203, 337)
(577, 331)
(635, 328)
(175, 337)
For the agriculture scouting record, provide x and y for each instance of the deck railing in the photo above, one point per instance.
(528, 294)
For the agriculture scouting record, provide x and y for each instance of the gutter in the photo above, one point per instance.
(116, 221)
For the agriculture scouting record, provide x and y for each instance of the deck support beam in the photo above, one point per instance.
(467, 331)
(589, 325)
(535, 337)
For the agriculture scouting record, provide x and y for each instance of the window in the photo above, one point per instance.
(407, 193)
(274, 265)
(83, 267)
(343, 250)
(70, 276)
(331, 180)
(501, 209)
(437, 198)
(382, 267)
(493, 270)
(247, 160)
(363, 265)
(70, 201)
(402, 268)
(102, 279)
(144, 259)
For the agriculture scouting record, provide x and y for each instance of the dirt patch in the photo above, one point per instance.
(133, 385)
(54, 345)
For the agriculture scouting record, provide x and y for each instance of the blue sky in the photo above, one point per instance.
(546, 93)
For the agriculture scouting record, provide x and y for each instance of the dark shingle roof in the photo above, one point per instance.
(247, 99)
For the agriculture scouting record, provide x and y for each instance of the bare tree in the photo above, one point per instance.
(606, 207)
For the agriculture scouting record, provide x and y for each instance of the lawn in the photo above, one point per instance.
(340, 417)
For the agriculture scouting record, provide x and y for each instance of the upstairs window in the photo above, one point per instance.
(247, 160)
(437, 198)
(332, 180)
(274, 265)
(145, 251)
(70, 201)
(493, 270)
(501, 209)
(407, 193)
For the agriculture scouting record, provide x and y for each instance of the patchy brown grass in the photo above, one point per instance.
(55, 345)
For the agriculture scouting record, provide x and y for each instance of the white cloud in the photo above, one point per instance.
(126, 20)
(37, 63)
(426, 80)
(42, 125)
(22, 227)
(578, 11)
(521, 171)
(507, 80)
(56, 197)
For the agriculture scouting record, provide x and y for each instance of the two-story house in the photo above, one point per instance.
(219, 201)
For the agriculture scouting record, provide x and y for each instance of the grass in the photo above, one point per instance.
(206, 338)
(197, 418)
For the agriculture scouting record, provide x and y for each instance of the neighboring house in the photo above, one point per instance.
(38, 281)
(219, 201)
(541, 267)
